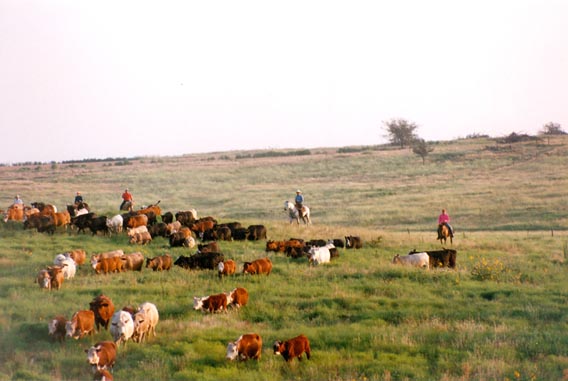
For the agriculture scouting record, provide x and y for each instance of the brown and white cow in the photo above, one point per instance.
(293, 348)
(103, 307)
(259, 266)
(227, 267)
(211, 303)
(102, 355)
(248, 346)
(238, 297)
(82, 323)
(57, 328)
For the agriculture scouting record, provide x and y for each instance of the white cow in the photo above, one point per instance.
(145, 321)
(68, 264)
(122, 327)
(318, 255)
(114, 224)
(414, 259)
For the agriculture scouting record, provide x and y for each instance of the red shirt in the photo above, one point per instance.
(126, 196)
(443, 218)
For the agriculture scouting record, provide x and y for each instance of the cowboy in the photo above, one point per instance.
(299, 200)
(126, 197)
(444, 219)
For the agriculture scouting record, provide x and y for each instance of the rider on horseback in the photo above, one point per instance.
(299, 201)
(444, 219)
(126, 197)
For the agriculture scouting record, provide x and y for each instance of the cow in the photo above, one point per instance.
(211, 247)
(108, 254)
(240, 234)
(211, 303)
(57, 328)
(160, 263)
(227, 267)
(293, 348)
(78, 255)
(137, 220)
(44, 208)
(102, 355)
(173, 227)
(201, 226)
(98, 224)
(140, 238)
(186, 218)
(167, 217)
(317, 242)
(82, 323)
(238, 297)
(56, 275)
(259, 266)
(14, 213)
(319, 255)
(152, 209)
(246, 347)
(441, 258)
(43, 223)
(133, 262)
(115, 224)
(338, 242)
(137, 230)
(414, 259)
(206, 261)
(180, 238)
(145, 321)
(256, 232)
(231, 225)
(61, 219)
(353, 242)
(43, 279)
(222, 233)
(68, 264)
(158, 230)
(82, 221)
(108, 265)
(121, 327)
(103, 308)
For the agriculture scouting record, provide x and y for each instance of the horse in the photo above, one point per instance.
(128, 205)
(294, 213)
(444, 233)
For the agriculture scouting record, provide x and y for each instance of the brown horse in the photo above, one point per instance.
(444, 233)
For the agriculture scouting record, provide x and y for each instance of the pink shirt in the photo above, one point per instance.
(443, 218)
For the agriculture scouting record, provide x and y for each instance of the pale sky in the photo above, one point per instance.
(98, 79)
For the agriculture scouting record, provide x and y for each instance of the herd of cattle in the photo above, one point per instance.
(182, 229)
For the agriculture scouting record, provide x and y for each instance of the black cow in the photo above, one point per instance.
(222, 233)
(41, 223)
(316, 242)
(256, 232)
(440, 258)
(185, 218)
(353, 242)
(167, 218)
(338, 242)
(98, 224)
(83, 221)
(158, 230)
(200, 261)
(240, 234)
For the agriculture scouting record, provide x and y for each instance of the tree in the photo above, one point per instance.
(422, 149)
(552, 128)
(400, 132)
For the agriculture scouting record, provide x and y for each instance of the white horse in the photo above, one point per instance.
(294, 213)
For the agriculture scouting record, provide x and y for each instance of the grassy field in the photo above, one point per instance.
(501, 315)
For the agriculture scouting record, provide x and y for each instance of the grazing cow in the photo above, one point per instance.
(103, 375)
(102, 355)
(108, 265)
(167, 217)
(145, 321)
(133, 262)
(160, 263)
(259, 266)
(14, 213)
(238, 297)
(68, 264)
(441, 258)
(121, 327)
(293, 348)
(256, 232)
(205, 261)
(78, 255)
(137, 220)
(158, 230)
(115, 224)
(82, 323)
(57, 328)
(353, 242)
(211, 247)
(227, 267)
(57, 276)
(82, 221)
(98, 224)
(415, 259)
(211, 303)
(140, 238)
(246, 347)
(43, 279)
(103, 307)
(43, 223)
(319, 255)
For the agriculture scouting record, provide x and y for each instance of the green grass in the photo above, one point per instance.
(502, 314)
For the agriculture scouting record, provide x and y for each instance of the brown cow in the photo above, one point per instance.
(43, 279)
(103, 307)
(133, 262)
(82, 323)
(211, 247)
(102, 355)
(61, 219)
(202, 226)
(227, 267)
(238, 297)
(246, 347)
(57, 328)
(14, 213)
(57, 276)
(140, 238)
(78, 255)
(173, 227)
(138, 220)
(293, 348)
(108, 265)
(259, 266)
(211, 303)
(163, 262)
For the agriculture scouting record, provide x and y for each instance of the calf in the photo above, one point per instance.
(293, 348)
(57, 328)
(212, 303)
(259, 266)
(246, 347)
(415, 259)
(56, 275)
(238, 297)
(145, 321)
(102, 355)
(121, 327)
(163, 262)
(227, 267)
(43, 279)
(82, 323)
